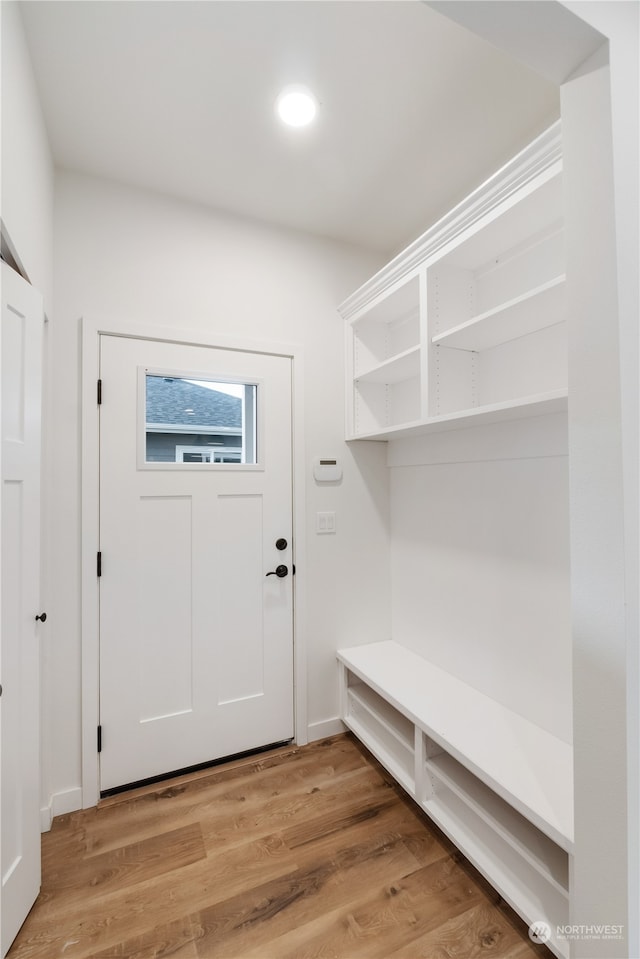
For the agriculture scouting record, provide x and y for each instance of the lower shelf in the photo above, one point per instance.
(532, 897)
(538, 851)
(385, 732)
(516, 849)
(539, 405)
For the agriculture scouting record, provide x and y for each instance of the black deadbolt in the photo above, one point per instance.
(281, 543)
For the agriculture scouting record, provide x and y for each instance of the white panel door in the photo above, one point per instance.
(196, 640)
(21, 347)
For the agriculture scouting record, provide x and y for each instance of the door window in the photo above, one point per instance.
(191, 422)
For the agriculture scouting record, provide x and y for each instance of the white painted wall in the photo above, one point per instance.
(26, 200)
(480, 561)
(122, 253)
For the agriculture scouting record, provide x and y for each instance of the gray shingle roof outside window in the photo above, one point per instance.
(169, 397)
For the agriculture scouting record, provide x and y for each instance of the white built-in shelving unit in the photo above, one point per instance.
(467, 327)
(499, 786)
(468, 323)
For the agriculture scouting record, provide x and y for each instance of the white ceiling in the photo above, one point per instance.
(177, 96)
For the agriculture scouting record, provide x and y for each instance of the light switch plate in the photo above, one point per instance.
(326, 522)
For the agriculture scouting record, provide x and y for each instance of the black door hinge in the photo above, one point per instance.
(99, 739)
(99, 392)
(99, 564)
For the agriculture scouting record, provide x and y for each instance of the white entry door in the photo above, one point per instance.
(196, 627)
(21, 347)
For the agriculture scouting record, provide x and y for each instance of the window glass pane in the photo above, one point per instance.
(189, 421)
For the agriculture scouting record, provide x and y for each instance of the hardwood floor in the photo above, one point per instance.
(301, 852)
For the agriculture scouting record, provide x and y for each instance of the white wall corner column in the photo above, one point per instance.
(603, 422)
(597, 519)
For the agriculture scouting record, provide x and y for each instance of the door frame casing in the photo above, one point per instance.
(91, 331)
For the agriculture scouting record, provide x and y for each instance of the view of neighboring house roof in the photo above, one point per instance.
(182, 403)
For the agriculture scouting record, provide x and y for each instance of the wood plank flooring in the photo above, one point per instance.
(298, 853)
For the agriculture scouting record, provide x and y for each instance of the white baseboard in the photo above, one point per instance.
(60, 803)
(328, 727)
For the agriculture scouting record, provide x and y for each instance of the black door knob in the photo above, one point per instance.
(280, 571)
(42, 617)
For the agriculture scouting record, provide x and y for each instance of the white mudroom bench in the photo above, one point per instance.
(499, 786)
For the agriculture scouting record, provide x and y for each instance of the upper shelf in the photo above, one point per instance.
(396, 305)
(541, 159)
(500, 251)
(394, 370)
(534, 310)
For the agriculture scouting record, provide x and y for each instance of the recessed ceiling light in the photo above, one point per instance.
(296, 106)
